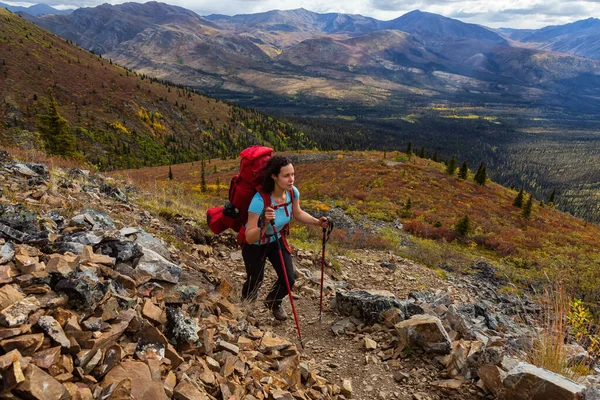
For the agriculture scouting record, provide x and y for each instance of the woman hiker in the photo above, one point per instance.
(278, 185)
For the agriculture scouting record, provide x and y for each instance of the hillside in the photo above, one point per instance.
(36, 10)
(581, 38)
(119, 118)
(449, 87)
(123, 276)
(368, 194)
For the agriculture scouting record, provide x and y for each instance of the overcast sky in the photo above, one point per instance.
(495, 14)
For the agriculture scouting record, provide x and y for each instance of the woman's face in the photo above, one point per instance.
(285, 179)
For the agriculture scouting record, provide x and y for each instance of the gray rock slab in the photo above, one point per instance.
(158, 267)
(148, 241)
(18, 313)
(54, 330)
(525, 382)
(368, 306)
(425, 331)
(7, 253)
(180, 327)
(24, 170)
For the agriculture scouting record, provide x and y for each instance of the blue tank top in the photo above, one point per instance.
(281, 216)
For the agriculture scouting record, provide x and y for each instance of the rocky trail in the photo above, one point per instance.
(99, 299)
(357, 355)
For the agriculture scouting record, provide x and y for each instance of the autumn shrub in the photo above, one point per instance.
(427, 231)
(496, 243)
(381, 216)
(305, 237)
(360, 239)
(436, 253)
(563, 320)
(360, 194)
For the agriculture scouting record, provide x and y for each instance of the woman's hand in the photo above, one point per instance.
(323, 222)
(269, 215)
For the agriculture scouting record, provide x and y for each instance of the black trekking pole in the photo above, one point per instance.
(287, 281)
(326, 233)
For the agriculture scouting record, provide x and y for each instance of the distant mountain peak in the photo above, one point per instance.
(434, 26)
(36, 10)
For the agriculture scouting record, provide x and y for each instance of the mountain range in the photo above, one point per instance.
(117, 118)
(36, 10)
(489, 96)
(340, 56)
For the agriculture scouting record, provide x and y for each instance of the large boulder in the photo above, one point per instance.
(148, 241)
(525, 382)
(93, 219)
(425, 331)
(122, 251)
(368, 306)
(180, 327)
(158, 267)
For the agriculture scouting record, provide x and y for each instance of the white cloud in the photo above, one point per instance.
(501, 13)
(18, 4)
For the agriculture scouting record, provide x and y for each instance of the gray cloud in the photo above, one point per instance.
(539, 9)
(399, 5)
(462, 14)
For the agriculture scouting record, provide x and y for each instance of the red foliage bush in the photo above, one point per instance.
(360, 194)
(496, 244)
(361, 239)
(427, 231)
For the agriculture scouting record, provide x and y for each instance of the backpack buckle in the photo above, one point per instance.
(230, 211)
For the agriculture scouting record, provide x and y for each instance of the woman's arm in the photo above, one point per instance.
(252, 229)
(304, 217)
(253, 232)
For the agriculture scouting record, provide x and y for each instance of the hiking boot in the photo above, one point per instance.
(279, 313)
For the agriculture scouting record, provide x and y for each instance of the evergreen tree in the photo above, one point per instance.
(552, 198)
(408, 204)
(218, 187)
(202, 178)
(384, 154)
(463, 226)
(483, 178)
(435, 157)
(56, 132)
(463, 172)
(451, 166)
(409, 149)
(170, 174)
(519, 199)
(526, 214)
(481, 175)
(422, 152)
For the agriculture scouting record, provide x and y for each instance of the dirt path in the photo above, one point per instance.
(410, 376)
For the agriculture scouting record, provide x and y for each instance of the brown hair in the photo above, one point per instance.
(273, 167)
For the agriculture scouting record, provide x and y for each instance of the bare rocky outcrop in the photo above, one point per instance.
(92, 308)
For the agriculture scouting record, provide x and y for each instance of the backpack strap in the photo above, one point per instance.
(286, 228)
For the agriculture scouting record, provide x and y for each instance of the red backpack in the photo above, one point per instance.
(243, 186)
(241, 190)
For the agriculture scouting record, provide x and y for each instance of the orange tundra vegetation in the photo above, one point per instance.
(551, 243)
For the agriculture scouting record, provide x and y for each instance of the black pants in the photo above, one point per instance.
(255, 257)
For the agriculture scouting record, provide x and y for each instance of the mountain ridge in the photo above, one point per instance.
(581, 38)
(36, 10)
(242, 57)
(119, 118)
